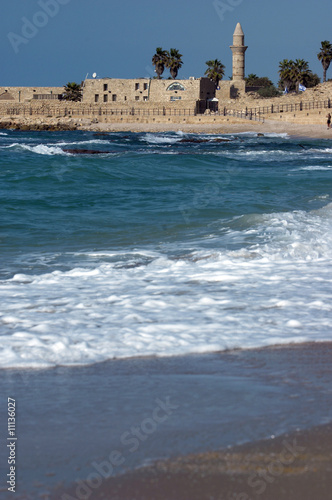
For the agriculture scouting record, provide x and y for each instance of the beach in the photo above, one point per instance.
(240, 424)
(266, 127)
(165, 252)
(166, 314)
(221, 126)
(294, 466)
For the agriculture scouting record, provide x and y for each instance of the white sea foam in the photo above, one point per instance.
(316, 167)
(127, 304)
(252, 154)
(160, 139)
(82, 143)
(3, 133)
(295, 235)
(271, 135)
(320, 150)
(275, 135)
(41, 149)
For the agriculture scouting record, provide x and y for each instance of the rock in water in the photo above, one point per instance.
(85, 151)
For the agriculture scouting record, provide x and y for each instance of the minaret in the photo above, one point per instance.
(238, 49)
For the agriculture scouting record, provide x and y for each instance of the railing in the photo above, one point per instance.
(144, 112)
(244, 114)
(97, 111)
(47, 97)
(288, 107)
(81, 109)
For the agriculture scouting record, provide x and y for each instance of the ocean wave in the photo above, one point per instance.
(192, 304)
(276, 135)
(298, 235)
(260, 135)
(3, 133)
(316, 167)
(81, 143)
(264, 152)
(268, 155)
(92, 274)
(41, 149)
(176, 301)
(160, 139)
(320, 150)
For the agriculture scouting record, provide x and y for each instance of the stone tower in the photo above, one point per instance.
(238, 49)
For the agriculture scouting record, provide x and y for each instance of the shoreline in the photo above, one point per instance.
(294, 466)
(223, 127)
(267, 127)
(292, 346)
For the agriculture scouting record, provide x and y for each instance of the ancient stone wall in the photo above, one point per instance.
(229, 90)
(26, 94)
(80, 115)
(308, 107)
(143, 90)
(320, 93)
(113, 90)
(59, 109)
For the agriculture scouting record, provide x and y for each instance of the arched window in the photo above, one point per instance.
(176, 86)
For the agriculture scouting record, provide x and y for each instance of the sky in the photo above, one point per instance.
(52, 42)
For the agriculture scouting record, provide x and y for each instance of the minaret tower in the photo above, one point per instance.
(238, 48)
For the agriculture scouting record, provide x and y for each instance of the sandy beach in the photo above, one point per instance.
(268, 126)
(241, 425)
(232, 126)
(294, 466)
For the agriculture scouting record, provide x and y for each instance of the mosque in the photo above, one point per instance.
(179, 92)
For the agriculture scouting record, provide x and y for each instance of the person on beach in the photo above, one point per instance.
(328, 116)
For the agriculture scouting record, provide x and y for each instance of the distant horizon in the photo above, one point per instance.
(51, 42)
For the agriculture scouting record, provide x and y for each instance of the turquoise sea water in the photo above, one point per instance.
(162, 245)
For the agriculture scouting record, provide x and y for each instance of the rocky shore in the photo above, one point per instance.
(14, 124)
(198, 125)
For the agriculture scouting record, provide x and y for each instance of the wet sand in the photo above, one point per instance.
(296, 466)
(175, 428)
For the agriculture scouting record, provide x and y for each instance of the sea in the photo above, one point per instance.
(168, 268)
(165, 244)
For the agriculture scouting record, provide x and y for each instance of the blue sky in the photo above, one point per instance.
(51, 42)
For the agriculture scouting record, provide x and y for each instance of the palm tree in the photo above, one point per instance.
(325, 57)
(215, 71)
(251, 80)
(300, 72)
(174, 62)
(159, 60)
(286, 73)
(293, 73)
(73, 92)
